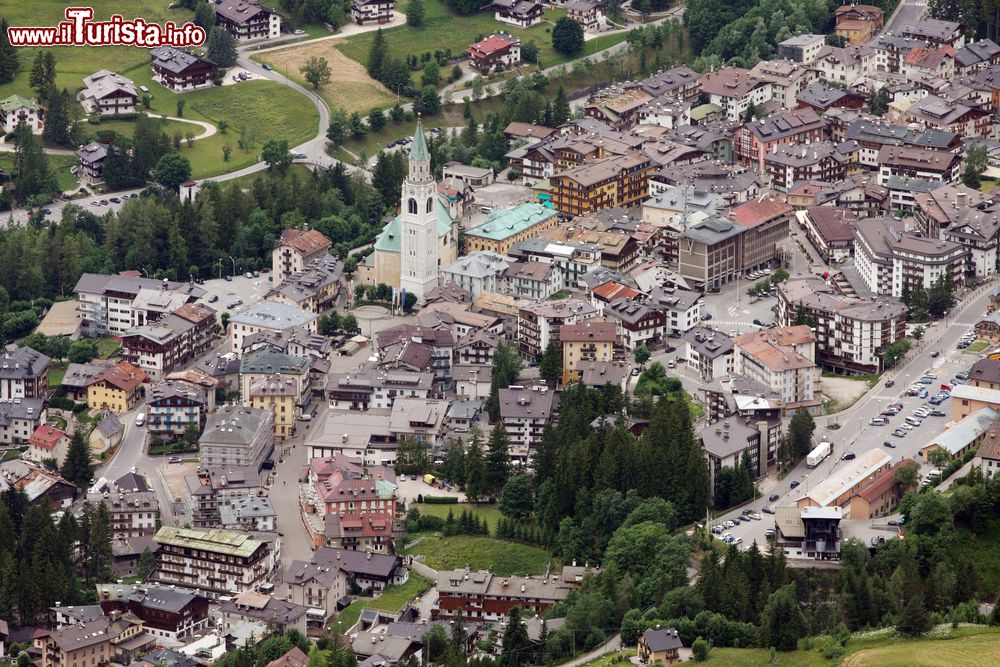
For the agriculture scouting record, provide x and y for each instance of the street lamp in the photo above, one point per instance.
(234, 265)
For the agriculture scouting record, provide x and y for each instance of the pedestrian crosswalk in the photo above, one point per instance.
(734, 323)
(885, 397)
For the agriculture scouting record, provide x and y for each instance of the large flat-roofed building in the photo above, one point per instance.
(268, 316)
(113, 304)
(848, 478)
(801, 48)
(216, 562)
(237, 436)
(710, 253)
(502, 229)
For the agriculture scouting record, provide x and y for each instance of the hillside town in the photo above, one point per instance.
(704, 368)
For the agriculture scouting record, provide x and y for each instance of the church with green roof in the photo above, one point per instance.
(424, 226)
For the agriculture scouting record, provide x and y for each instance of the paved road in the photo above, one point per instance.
(907, 12)
(853, 432)
(612, 645)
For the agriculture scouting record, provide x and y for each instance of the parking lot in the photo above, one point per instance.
(947, 368)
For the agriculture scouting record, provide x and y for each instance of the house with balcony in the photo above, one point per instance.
(369, 12)
(181, 70)
(16, 110)
(496, 52)
(106, 93)
(247, 20)
(520, 13)
(172, 406)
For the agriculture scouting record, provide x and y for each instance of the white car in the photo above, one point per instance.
(140, 419)
(729, 524)
(908, 427)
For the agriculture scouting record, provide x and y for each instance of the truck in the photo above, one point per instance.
(816, 456)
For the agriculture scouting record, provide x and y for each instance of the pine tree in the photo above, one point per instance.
(43, 74)
(77, 467)
(377, 56)
(476, 484)
(516, 645)
(550, 368)
(914, 620)
(497, 460)
(10, 60)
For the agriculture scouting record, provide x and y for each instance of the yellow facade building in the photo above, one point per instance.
(117, 389)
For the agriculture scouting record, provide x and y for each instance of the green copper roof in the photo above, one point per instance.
(17, 102)
(390, 238)
(419, 149)
(500, 225)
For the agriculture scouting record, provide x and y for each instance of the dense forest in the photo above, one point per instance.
(43, 561)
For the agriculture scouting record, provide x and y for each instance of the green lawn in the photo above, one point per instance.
(480, 553)
(392, 599)
(56, 373)
(443, 30)
(976, 646)
(107, 347)
(488, 512)
(266, 109)
(978, 346)
(245, 182)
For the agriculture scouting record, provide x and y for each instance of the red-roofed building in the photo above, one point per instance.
(932, 61)
(48, 442)
(295, 249)
(495, 52)
(880, 496)
(766, 221)
(609, 291)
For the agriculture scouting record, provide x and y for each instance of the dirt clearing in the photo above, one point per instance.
(350, 87)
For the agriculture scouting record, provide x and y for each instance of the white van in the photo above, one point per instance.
(140, 419)
(913, 421)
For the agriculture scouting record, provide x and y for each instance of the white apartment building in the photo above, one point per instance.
(376, 388)
(113, 304)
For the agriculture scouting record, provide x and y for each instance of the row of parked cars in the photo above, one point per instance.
(968, 338)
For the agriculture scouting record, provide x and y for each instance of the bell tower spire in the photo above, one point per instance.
(419, 246)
